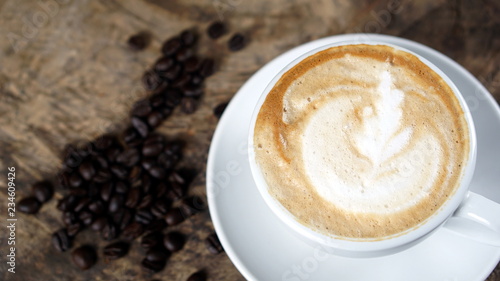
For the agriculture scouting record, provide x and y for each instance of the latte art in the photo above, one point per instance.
(375, 147)
(361, 141)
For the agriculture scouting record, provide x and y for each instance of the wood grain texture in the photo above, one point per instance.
(66, 74)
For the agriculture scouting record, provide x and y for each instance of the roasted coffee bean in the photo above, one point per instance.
(183, 176)
(42, 191)
(86, 217)
(151, 240)
(182, 80)
(109, 231)
(173, 72)
(176, 191)
(134, 175)
(174, 241)
(154, 138)
(219, 109)
(150, 80)
(130, 136)
(188, 38)
(61, 240)
(207, 67)
(163, 64)
(117, 216)
(216, 30)
(171, 46)
(107, 191)
(121, 187)
(71, 158)
(237, 42)
(67, 203)
(63, 180)
(152, 149)
(168, 161)
(174, 217)
(148, 163)
(129, 157)
(192, 205)
(172, 98)
(213, 244)
(93, 189)
(29, 205)
(119, 171)
(184, 54)
(83, 149)
(156, 225)
(174, 148)
(116, 202)
(192, 64)
(74, 229)
(99, 224)
(157, 100)
(161, 190)
(160, 207)
(192, 90)
(144, 216)
(157, 254)
(82, 204)
(157, 172)
(87, 170)
(154, 119)
(102, 176)
(146, 201)
(75, 180)
(140, 126)
(152, 266)
(141, 108)
(101, 162)
(69, 218)
(103, 142)
(166, 111)
(146, 183)
(112, 152)
(189, 105)
(97, 207)
(116, 250)
(197, 276)
(84, 257)
(139, 41)
(78, 191)
(133, 197)
(164, 85)
(127, 217)
(132, 231)
(197, 79)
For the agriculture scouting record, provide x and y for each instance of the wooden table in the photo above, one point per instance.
(66, 74)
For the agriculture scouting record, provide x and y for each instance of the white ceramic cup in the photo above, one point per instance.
(466, 213)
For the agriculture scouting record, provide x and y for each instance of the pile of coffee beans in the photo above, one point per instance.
(127, 185)
(122, 187)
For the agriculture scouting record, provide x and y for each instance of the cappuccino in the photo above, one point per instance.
(361, 141)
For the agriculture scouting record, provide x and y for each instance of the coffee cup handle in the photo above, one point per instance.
(477, 218)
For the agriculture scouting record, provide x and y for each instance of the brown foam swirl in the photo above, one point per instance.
(361, 141)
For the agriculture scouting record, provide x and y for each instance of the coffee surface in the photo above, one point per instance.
(361, 141)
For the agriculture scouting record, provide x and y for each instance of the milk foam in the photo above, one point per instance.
(363, 171)
(361, 141)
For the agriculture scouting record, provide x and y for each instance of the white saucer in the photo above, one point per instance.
(263, 249)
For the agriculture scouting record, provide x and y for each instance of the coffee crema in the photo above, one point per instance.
(361, 141)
